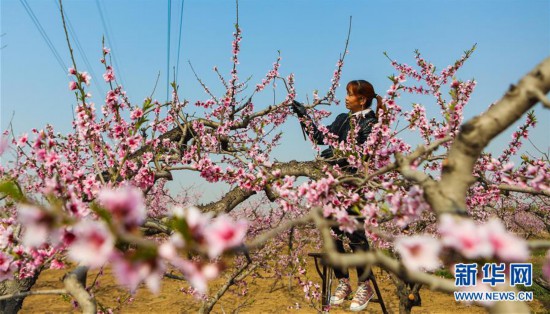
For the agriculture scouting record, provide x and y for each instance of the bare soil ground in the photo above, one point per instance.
(264, 296)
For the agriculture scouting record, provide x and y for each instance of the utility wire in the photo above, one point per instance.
(168, 50)
(179, 40)
(111, 43)
(4, 46)
(81, 51)
(44, 35)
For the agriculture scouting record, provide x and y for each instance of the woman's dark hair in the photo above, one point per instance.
(362, 88)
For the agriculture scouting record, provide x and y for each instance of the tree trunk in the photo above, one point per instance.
(12, 306)
(408, 300)
(408, 293)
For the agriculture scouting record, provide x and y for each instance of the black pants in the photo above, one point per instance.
(358, 242)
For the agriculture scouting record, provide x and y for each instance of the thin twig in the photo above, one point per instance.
(261, 239)
(28, 293)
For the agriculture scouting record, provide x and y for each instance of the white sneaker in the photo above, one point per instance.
(343, 290)
(362, 297)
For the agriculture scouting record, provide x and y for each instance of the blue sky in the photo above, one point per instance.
(511, 36)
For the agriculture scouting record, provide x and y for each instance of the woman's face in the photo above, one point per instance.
(354, 102)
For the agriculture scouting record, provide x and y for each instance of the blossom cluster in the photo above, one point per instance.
(92, 242)
(473, 241)
(88, 194)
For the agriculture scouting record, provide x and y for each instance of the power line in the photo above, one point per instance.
(4, 46)
(81, 51)
(179, 40)
(44, 35)
(168, 49)
(111, 43)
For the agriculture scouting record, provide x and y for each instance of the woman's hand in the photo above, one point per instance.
(298, 109)
(379, 105)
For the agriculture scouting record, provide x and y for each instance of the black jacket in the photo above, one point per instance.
(341, 127)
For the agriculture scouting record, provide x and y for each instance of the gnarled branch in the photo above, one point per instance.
(75, 284)
(449, 195)
(311, 169)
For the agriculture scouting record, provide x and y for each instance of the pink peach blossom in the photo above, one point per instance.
(419, 252)
(93, 244)
(197, 274)
(507, 246)
(86, 78)
(23, 139)
(196, 220)
(7, 267)
(484, 240)
(464, 236)
(224, 233)
(346, 222)
(57, 264)
(37, 224)
(131, 273)
(4, 144)
(109, 75)
(136, 114)
(125, 203)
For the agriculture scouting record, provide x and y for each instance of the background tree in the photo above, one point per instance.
(82, 195)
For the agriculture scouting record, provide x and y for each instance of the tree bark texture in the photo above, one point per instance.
(12, 306)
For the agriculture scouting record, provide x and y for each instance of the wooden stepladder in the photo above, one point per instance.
(325, 272)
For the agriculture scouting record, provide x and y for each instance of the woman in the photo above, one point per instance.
(360, 95)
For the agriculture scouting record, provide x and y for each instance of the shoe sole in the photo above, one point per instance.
(361, 307)
(336, 302)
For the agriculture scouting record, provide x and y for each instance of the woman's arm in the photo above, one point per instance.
(317, 136)
(366, 128)
(379, 105)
